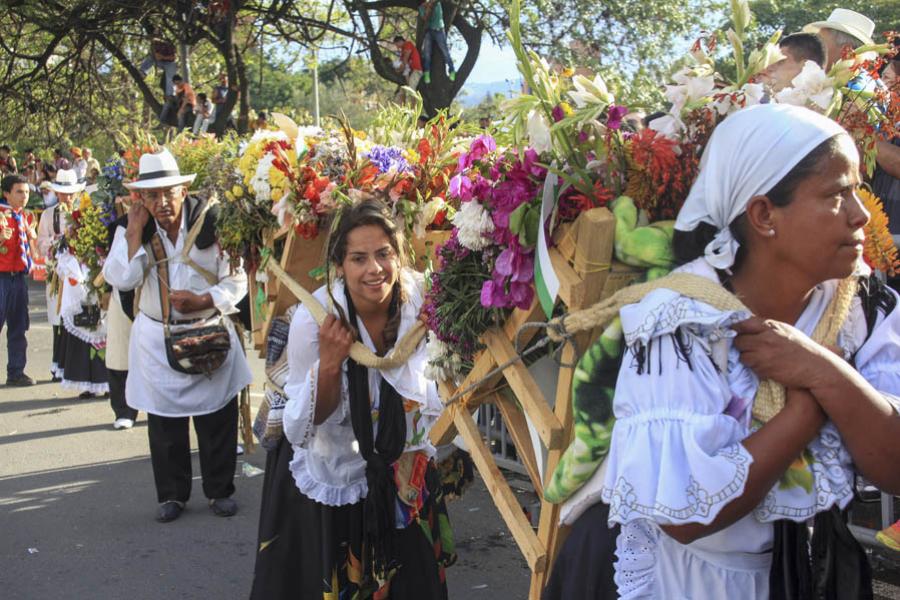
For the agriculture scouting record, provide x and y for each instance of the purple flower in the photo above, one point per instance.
(481, 147)
(515, 263)
(461, 187)
(582, 137)
(520, 295)
(558, 113)
(615, 115)
(387, 159)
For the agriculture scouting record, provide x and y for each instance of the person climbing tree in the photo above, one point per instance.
(432, 13)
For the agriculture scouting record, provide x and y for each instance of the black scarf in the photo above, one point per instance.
(379, 452)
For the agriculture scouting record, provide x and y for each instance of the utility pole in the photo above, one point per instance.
(315, 67)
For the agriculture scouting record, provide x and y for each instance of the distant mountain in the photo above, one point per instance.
(473, 93)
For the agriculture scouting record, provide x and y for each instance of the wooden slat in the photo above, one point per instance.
(548, 524)
(517, 426)
(571, 286)
(444, 430)
(503, 496)
(527, 391)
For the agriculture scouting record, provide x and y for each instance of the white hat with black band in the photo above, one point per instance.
(66, 182)
(159, 170)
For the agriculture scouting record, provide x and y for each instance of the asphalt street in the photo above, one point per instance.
(77, 503)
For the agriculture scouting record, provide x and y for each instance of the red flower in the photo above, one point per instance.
(424, 150)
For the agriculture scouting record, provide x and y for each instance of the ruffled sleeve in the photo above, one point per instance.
(675, 455)
(878, 357)
(301, 388)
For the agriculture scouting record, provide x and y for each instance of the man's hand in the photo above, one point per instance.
(188, 302)
(138, 216)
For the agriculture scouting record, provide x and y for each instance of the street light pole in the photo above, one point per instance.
(316, 86)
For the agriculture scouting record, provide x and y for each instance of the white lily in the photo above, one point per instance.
(427, 215)
(539, 131)
(811, 86)
(668, 125)
(588, 92)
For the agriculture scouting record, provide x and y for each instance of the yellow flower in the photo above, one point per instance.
(237, 191)
(229, 196)
(85, 202)
(568, 72)
(567, 108)
(879, 250)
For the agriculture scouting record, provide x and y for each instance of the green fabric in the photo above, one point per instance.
(437, 16)
(641, 245)
(593, 389)
(594, 382)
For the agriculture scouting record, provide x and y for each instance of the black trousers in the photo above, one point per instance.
(121, 409)
(170, 453)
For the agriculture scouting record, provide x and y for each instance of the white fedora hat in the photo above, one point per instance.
(66, 182)
(849, 21)
(159, 170)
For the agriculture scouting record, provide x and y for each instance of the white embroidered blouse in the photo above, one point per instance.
(684, 399)
(327, 466)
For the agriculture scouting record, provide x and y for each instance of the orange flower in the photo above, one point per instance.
(879, 251)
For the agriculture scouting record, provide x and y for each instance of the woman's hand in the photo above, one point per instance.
(335, 340)
(780, 352)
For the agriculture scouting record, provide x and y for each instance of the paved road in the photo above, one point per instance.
(77, 505)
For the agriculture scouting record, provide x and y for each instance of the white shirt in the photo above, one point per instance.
(46, 236)
(153, 386)
(682, 411)
(80, 166)
(327, 465)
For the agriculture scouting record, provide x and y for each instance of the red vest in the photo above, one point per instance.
(10, 253)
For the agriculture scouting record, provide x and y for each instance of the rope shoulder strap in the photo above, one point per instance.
(770, 396)
(211, 278)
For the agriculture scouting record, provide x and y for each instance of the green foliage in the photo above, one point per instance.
(631, 43)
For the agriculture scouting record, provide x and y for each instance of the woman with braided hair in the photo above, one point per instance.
(352, 504)
(709, 493)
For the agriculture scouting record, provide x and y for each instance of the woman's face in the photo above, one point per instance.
(370, 268)
(821, 231)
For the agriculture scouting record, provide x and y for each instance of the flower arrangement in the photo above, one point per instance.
(89, 238)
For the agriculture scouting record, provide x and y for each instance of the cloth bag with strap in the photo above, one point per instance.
(196, 346)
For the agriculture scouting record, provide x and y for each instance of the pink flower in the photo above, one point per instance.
(558, 113)
(481, 147)
(515, 263)
(614, 117)
(461, 187)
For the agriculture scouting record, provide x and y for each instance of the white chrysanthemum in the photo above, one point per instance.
(473, 224)
(443, 363)
(262, 190)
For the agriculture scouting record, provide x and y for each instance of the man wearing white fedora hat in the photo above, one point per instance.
(54, 223)
(168, 250)
(844, 29)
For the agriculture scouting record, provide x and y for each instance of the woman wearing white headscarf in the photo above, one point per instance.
(711, 503)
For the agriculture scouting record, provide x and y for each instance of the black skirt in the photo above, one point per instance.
(307, 550)
(83, 366)
(584, 567)
(57, 361)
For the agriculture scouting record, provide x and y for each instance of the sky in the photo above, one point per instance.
(494, 63)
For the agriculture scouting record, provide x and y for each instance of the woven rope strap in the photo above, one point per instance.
(403, 349)
(770, 396)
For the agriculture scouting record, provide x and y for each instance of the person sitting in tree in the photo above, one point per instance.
(432, 13)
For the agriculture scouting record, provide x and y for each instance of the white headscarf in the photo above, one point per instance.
(748, 153)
